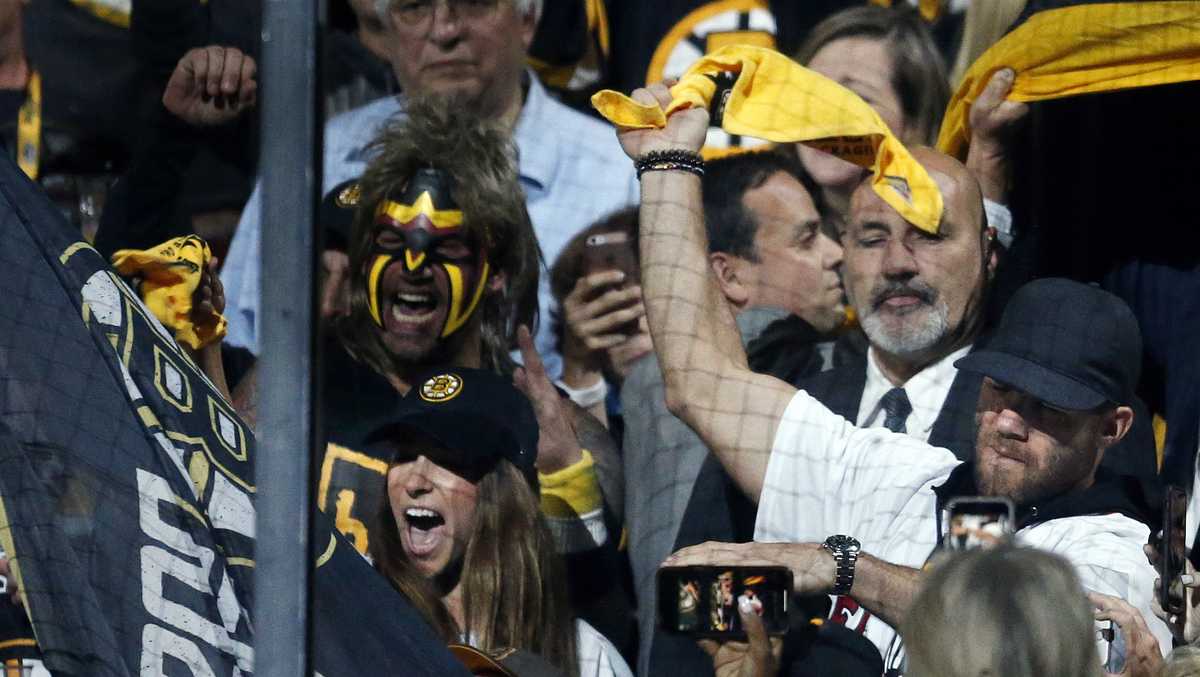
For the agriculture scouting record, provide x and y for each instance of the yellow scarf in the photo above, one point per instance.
(778, 100)
(170, 275)
(1082, 50)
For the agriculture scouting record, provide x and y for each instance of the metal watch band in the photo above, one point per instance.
(845, 553)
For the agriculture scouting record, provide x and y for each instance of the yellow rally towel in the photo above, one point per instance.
(1083, 49)
(170, 275)
(776, 99)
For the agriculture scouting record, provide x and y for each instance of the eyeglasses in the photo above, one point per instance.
(415, 13)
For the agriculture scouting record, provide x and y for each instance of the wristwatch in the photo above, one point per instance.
(845, 552)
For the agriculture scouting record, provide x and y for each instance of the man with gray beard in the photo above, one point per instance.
(921, 300)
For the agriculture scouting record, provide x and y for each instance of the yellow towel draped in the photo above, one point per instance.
(776, 99)
(1083, 49)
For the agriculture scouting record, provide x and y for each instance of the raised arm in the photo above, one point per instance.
(708, 383)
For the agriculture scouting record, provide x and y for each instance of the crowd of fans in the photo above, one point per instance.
(582, 353)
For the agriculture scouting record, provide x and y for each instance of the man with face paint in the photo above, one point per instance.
(426, 277)
(471, 53)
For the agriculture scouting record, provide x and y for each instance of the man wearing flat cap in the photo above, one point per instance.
(858, 512)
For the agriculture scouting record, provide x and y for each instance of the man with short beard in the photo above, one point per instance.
(1058, 375)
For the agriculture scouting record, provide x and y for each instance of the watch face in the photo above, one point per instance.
(842, 542)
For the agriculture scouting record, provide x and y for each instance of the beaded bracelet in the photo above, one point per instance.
(669, 160)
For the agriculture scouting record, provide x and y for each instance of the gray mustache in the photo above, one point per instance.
(926, 293)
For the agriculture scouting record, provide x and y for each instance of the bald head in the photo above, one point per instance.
(918, 294)
(961, 196)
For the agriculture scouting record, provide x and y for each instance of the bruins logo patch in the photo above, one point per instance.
(441, 388)
(348, 198)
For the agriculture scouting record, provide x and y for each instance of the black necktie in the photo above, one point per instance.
(897, 408)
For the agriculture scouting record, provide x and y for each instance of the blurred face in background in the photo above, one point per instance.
(470, 51)
(797, 263)
(864, 66)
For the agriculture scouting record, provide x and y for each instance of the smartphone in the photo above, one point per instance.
(613, 251)
(702, 601)
(1115, 662)
(978, 522)
(610, 251)
(1172, 553)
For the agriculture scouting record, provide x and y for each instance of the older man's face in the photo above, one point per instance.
(471, 51)
(911, 289)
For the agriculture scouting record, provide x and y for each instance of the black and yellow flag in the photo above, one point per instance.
(128, 491)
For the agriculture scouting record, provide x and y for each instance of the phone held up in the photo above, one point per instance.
(613, 251)
(978, 522)
(1171, 554)
(702, 601)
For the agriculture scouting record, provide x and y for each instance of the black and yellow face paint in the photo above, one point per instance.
(422, 218)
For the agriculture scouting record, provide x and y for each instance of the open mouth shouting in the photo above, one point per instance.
(424, 530)
(413, 309)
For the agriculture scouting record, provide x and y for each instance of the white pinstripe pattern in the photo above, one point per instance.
(826, 477)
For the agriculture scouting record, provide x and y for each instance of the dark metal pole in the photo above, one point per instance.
(290, 174)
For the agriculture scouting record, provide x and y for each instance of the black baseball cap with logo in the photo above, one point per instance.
(336, 214)
(478, 416)
(1071, 345)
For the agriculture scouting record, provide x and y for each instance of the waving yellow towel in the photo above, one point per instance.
(776, 99)
(170, 275)
(1083, 49)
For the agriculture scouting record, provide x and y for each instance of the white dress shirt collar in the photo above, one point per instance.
(926, 391)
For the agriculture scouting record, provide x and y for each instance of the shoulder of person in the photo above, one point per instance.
(587, 135)
(355, 128)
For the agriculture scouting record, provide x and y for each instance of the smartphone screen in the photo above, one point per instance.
(978, 522)
(703, 601)
(1172, 552)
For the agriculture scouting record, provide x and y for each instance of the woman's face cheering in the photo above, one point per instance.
(434, 509)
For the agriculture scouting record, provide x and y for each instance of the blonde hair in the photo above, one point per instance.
(1183, 662)
(1011, 612)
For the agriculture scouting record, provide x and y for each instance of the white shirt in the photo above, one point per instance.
(825, 476)
(926, 391)
(597, 656)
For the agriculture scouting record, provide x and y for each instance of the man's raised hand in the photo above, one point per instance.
(685, 128)
(211, 86)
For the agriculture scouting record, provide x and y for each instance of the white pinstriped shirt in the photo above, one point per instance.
(826, 476)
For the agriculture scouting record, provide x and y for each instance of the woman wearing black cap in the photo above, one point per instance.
(462, 513)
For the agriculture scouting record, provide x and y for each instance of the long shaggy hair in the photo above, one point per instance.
(481, 160)
(513, 581)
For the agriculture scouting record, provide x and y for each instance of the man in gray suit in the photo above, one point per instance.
(775, 267)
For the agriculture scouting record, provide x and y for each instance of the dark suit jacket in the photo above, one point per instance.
(719, 511)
